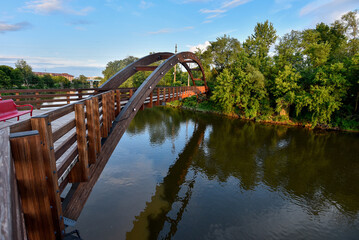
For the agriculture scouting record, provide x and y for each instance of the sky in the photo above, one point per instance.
(82, 36)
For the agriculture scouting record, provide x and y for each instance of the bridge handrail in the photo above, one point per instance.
(81, 146)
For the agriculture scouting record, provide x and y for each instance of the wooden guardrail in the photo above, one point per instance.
(49, 98)
(52, 150)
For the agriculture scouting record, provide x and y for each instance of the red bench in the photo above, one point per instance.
(8, 109)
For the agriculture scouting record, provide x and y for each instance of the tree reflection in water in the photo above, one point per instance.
(314, 170)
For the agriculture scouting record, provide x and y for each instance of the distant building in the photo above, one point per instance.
(66, 75)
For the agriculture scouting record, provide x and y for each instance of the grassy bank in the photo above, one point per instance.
(203, 104)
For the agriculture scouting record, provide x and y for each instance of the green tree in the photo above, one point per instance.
(258, 44)
(48, 81)
(351, 26)
(115, 66)
(326, 93)
(223, 52)
(5, 81)
(289, 51)
(25, 70)
(224, 91)
(286, 88)
(17, 77)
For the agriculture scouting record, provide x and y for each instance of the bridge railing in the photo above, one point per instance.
(57, 148)
(50, 98)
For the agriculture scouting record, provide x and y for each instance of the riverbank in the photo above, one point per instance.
(207, 107)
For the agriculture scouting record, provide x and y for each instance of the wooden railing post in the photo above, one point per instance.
(104, 132)
(113, 106)
(43, 126)
(37, 99)
(151, 100)
(32, 182)
(96, 114)
(91, 131)
(130, 93)
(109, 116)
(68, 97)
(158, 97)
(118, 102)
(80, 94)
(80, 172)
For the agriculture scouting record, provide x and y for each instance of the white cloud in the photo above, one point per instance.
(200, 46)
(6, 27)
(145, 5)
(224, 7)
(170, 30)
(48, 63)
(49, 6)
(328, 10)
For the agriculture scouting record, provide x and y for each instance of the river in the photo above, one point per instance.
(178, 174)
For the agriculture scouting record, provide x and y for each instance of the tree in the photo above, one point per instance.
(351, 26)
(286, 88)
(61, 82)
(326, 93)
(224, 91)
(80, 82)
(5, 81)
(25, 70)
(17, 77)
(289, 51)
(115, 66)
(258, 44)
(48, 81)
(223, 52)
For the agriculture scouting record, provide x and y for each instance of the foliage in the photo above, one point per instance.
(312, 76)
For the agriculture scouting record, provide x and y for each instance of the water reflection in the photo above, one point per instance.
(151, 220)
(219, 178)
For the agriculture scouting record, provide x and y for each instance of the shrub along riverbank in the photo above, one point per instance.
(204, 104)
(308, 77)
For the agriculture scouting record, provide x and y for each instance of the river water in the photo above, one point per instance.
(177, 174)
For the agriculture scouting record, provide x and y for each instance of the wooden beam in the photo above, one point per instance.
(145, 68)
(80, 172)
(151, 100)
(32, 182)
(104, 130)
(91, 131)
(11, 219)
(118, 102)
(158, 97)
(43, 126)
(96, 110)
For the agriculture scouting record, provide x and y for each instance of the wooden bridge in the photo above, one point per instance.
(38, 161)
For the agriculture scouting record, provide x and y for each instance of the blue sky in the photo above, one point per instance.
(80, 37)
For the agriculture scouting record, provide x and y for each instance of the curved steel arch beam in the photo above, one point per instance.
(121, 76)
(139, 97)
(121, 123)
